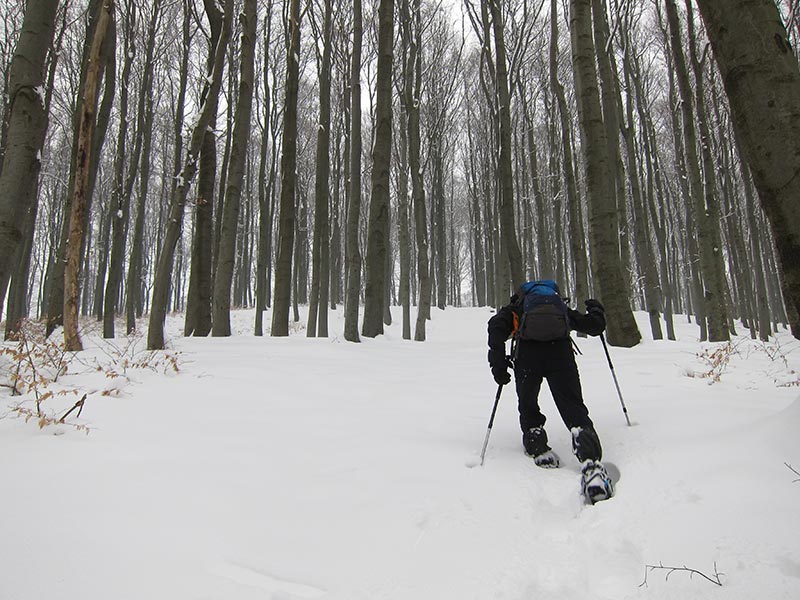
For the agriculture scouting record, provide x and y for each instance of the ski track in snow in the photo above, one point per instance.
(315, 468)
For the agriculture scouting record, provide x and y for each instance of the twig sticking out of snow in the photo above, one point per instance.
(788, 466)
(692, 572)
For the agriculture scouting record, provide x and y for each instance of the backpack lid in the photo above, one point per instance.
(545, 287)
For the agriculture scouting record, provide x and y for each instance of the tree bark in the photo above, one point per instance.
(123, 186)
(377, 237)
(352, 252)
(163, 275)
(286, 217)
(83, 166)
(577, 238)
(505, 174)
(318, 304)
(233, 195)
(27, 125)
(603, 229)
(762, 81)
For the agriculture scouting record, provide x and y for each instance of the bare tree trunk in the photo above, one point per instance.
(609, 96)
(265, 184)
(476, 222)
(18, 292)
(412, 87)
(163, 275)
(90, 92)
(198, 315)
(26, 130)
(56, 285)
(708, 214)
(377, 247)
(762, 82)
(134, 301)
(238, 157)
(286, 218)
(404, 233)
(644, 253)
(505, 175)
(712, 296)
(121, 195)
(318, 305)
(603, 230)
(352, 252)
(577, 237)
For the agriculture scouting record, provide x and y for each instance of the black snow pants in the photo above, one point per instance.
(555, 362)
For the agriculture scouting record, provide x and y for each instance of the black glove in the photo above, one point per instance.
(500, 372)
(594, 308)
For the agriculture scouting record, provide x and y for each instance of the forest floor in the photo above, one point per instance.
(283, 468)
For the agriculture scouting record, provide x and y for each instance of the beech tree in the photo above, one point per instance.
(603, 229)
(615, 172)
(286, 216)
(98, 54)
(352, 251)
(236, 167)
(163, 275)
(25, 133)
(378, 235)
(762, 81)
(320, 278)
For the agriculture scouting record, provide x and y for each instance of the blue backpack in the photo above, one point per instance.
(541, 311)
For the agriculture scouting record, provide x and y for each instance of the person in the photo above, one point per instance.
(540, 322)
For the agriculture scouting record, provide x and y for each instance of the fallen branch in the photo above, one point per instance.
(692, 572)
(78, 405)
(788, 466)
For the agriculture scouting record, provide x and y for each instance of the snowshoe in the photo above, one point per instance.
(547, 460)
(596, 485)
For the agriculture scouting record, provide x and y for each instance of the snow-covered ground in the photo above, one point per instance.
(286, 468)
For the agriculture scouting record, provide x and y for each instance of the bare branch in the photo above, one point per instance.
(715, 579)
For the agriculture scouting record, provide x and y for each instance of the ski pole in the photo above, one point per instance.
(491, 421)
(614, 375)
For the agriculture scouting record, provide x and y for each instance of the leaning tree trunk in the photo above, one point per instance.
(377, 249)
(236, 166)
(83, 166)
(603, 229)
(26, 128)
(762, 81)
(163, 274)
(286, 218)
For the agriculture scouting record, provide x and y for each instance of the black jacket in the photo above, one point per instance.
(501, 326)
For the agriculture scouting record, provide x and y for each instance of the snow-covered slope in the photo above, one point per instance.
(316, 468)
